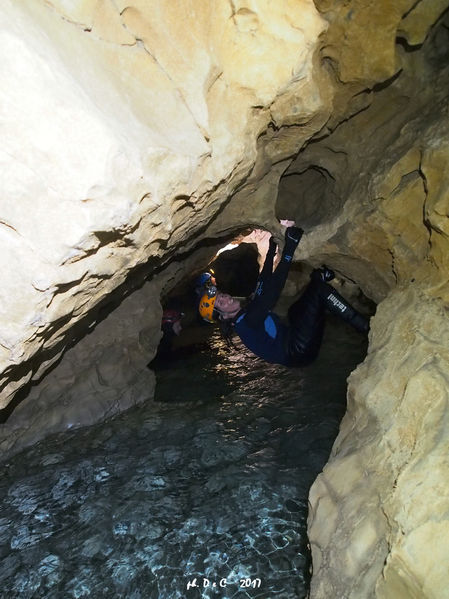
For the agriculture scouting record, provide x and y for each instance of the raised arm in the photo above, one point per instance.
(270, 284)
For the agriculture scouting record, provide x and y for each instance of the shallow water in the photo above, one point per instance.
(206, 485)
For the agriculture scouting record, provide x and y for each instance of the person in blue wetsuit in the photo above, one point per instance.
(262, 331)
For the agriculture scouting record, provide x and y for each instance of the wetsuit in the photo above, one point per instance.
(298, 343)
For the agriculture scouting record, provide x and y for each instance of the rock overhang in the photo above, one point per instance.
(123, 129)
(148, 135)
(71, 237)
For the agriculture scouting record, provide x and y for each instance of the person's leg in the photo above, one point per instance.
(336, 303)
(306, 317)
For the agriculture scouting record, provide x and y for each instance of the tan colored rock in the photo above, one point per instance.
(387, 477)
(125, 128)
(388, 464)
(133, 130)
(416, 23)
(362, 37)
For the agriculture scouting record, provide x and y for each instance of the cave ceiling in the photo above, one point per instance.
(132, 135)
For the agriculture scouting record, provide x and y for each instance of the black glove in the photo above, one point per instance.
(294, 234)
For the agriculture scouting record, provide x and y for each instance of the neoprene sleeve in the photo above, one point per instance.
(270, 284)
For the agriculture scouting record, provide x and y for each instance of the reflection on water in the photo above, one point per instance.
(200, 493)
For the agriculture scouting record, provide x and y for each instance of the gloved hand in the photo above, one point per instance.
(294, 234)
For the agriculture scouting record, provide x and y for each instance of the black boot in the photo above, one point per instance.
(323, 274)
(360, 323)
(336, 304)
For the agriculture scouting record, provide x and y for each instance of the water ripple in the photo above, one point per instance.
(205, 485)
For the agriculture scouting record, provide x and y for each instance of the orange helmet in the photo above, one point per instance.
(206, 306)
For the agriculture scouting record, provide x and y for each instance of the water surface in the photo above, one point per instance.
(206, 485)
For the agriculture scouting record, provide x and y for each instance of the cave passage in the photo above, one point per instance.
(207, 482)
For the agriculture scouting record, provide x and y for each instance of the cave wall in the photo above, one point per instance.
(382, 499)
(126, 127)
(131, 134)
(378, 522)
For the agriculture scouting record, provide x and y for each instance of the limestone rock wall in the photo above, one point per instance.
(378, 523)
(125, 128)
(378, 520)
(133, 131)
(102, 375)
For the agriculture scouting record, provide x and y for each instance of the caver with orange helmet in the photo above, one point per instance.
(215, 305)
(262, 331)
(206, 306)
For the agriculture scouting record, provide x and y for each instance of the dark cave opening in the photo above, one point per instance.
(235, 269)
(307, 195)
